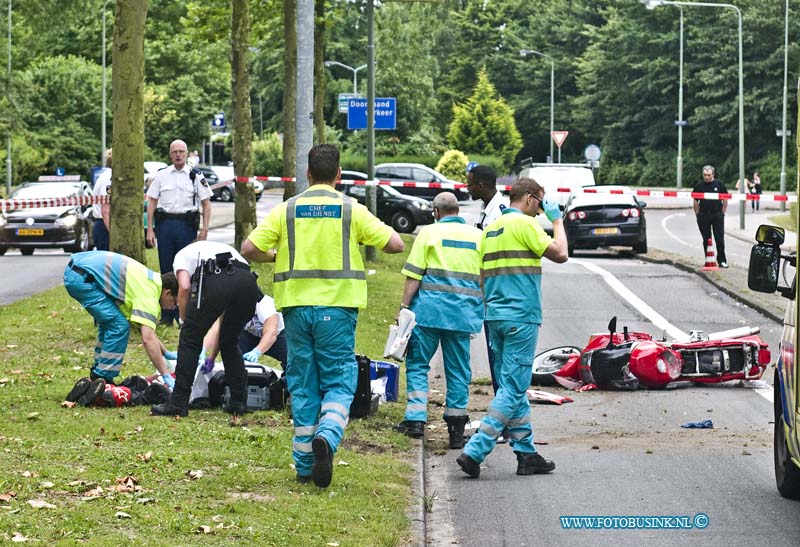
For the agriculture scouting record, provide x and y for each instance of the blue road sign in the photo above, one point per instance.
(385, 113)
(59, 171)
(218, 121)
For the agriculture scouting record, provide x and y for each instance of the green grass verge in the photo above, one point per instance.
(72, 459)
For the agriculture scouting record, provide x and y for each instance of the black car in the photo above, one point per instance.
(401, 212)
(416, 172)
(603, 219)
(69, 227)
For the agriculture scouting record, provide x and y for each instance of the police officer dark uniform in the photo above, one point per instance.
(213, 279)
(319, 286)
(175, 199)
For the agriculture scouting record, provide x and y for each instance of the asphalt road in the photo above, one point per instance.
(624, 453)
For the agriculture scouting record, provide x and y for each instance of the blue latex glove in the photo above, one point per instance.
(551, 210)
(207, 365)
(169, 380)
(171, 355)
(252, 355)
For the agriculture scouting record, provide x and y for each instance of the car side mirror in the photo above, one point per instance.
(770, 235)
(762, 273)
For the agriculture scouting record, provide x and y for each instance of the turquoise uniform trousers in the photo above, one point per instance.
(112, 326)
(322, 376)
(455, 353)
(514, 346)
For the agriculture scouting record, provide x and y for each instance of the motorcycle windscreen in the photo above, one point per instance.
(608, 368)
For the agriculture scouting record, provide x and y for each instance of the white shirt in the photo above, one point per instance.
(190, 256)
(175, 192)
(264, 310)
(102, 187)
(491, 211)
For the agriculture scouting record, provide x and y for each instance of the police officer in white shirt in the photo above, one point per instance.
(175, 198)
(482, 185)
(102, 187)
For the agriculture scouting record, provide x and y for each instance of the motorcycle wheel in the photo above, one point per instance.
(787, 474)
(549, 362)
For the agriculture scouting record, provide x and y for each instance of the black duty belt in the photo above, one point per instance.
(80, 271)
(188, 215)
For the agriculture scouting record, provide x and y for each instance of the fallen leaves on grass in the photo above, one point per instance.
(47, 484)
(205, 529)
(18, 538)
(32, 415)
(94, 493)
(17, 371)
(40, 504)
(30, 474)
(128, 483)
(146, 457)
(195, 474)
(68, 404)
(8, 495)
(122, 515)
(4, 381)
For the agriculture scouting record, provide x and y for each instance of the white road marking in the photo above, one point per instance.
(667, 230)
(642, 307)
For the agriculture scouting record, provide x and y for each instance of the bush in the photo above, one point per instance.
(268, 156)
(615, 172)
(769, 169)
(358, 162)
(453, 165)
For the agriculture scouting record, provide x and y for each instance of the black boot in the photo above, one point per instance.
(177, 405)
(411, 428)
(533, 464)
(469, 466)
(455, 430)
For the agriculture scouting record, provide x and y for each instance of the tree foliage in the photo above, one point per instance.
(485, 124)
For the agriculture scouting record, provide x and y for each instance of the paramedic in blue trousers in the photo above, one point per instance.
(213, 280)
(116, 291)
(512, 249)
(443, 289)
(175, 198)
(319, 284)
(482, 185)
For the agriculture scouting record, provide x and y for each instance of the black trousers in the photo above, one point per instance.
(235, 293)
(713, 222)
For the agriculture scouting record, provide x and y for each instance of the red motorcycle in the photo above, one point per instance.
(628, 360)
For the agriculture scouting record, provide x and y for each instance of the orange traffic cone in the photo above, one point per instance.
(711, 262)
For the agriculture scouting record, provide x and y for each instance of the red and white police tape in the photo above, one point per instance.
(732, 196)
(12, 204)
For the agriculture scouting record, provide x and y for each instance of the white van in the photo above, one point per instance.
(555, 176)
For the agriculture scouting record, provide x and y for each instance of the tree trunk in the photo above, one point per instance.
(127, 85)
(319, 69)
(245, 214)
(289, 94)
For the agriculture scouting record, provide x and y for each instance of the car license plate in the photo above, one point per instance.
(30, 232)
(606, 231)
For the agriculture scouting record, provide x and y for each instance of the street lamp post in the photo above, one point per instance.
(525, 52)
(9, 163)
(652, 4)
(103, 121)
(351, 69)
(783, 132)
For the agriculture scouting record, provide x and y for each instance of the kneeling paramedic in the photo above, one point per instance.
(213, 280)
(116, 290)
(443, 289)
(319, 284)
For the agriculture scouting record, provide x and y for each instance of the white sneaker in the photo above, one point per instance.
(723, 265)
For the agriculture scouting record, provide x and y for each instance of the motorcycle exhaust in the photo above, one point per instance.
(738, 332)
